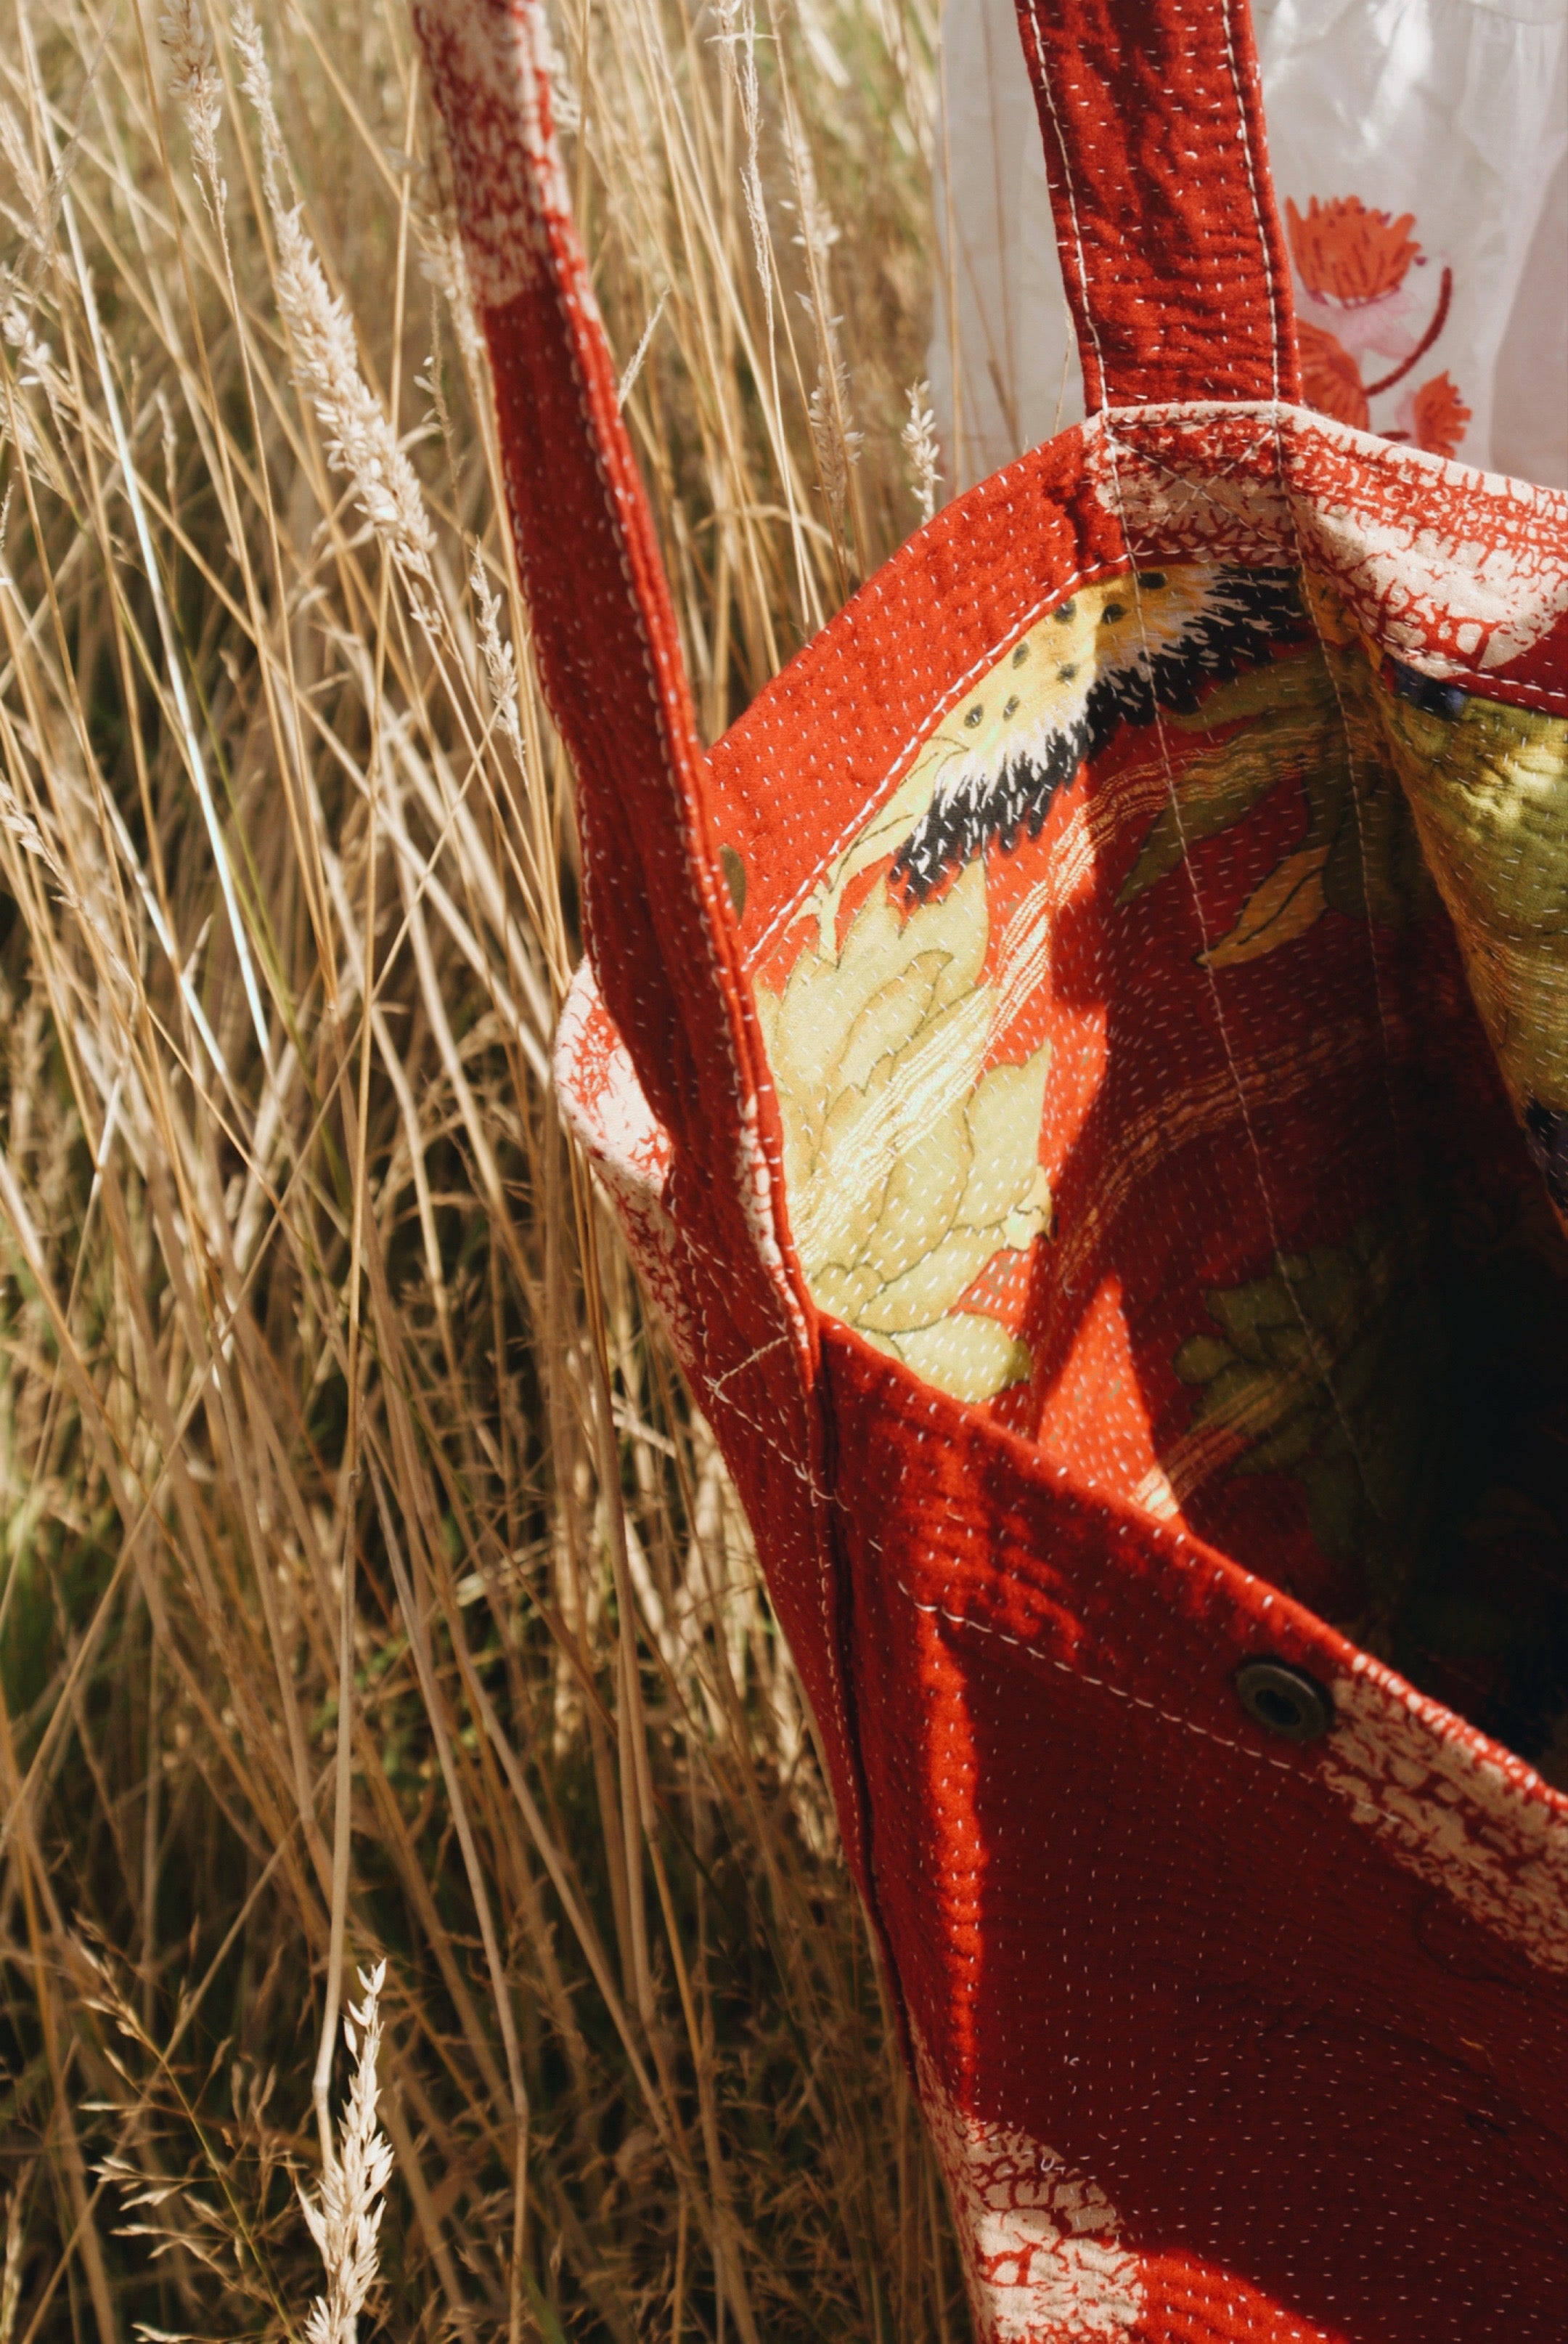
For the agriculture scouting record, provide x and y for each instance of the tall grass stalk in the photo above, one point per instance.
(345, 2217)
(371, 1595)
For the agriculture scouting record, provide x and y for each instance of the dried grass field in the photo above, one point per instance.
(378, 1629)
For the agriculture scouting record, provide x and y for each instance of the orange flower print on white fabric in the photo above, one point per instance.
(1365, 293)
(1435, 416)
(1331, 377)
(1345, 253)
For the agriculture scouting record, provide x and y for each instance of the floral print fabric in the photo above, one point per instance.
(1216, 753)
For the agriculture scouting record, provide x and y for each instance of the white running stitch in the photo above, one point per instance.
(893, 769)
(1045, 84)
(1246, 139)
(1101, 1684)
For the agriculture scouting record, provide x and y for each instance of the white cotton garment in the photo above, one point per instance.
(1419, 150)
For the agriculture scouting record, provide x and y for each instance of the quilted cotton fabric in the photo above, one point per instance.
(1419, 150)
(1082, 1068)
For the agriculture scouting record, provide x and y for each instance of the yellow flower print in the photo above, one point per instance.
(1109, 655)
(907, 1169)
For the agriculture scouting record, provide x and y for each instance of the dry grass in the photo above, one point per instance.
(369, 1591)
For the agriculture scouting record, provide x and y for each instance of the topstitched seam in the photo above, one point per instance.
(1366, 1807)
(702, 892)
(1083, 1676)
(1482, 680)
(1245, 136)
(1479, 680)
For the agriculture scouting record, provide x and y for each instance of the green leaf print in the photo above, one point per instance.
(1321, 1369)
(1311, 722)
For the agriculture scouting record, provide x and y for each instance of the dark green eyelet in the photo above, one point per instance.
(1283, 1700)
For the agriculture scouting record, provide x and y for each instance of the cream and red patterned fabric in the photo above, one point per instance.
(1083, 1066)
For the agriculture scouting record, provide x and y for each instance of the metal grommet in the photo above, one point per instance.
(1283, 1700)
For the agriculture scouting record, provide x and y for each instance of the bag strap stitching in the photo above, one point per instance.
(1201, 493)
(1108, 273)
(1245, 132)
(1198, 492)
(1044, 81)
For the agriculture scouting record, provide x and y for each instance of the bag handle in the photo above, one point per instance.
(662, 940)
(1174, 262)
(604, 632)
(1171, 250)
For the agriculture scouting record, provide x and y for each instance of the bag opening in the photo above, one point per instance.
(1174, 1065)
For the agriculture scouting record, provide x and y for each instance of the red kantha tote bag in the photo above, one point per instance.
(1083, 1067)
